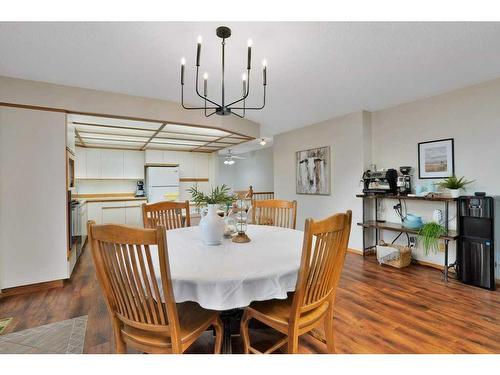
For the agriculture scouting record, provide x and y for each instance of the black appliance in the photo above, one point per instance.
(479, 223)
(140, 189)
(404, 181)
(380, 182)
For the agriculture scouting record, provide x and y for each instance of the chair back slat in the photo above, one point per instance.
(126, 271)
(274, 212)
(170, 215)
(323, 254)
(262, 195)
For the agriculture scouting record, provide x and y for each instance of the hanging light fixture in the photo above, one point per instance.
(262, 142)
(224, 108)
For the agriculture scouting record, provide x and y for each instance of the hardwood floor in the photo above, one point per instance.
(378, 310)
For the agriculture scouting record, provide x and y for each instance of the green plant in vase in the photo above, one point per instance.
(429, 234)
(454, 185)
(219, 195)
(211, 225)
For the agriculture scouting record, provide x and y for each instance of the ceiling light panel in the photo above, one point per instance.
(113, 122)
(116, 131)
(194, 130)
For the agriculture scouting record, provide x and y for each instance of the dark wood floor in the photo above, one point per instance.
(378, 310)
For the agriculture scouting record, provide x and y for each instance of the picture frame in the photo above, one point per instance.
(313, 171)
(436, 159)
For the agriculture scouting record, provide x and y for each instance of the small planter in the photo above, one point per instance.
(454, 193)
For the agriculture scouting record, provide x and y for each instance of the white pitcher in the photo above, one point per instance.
(212, 226)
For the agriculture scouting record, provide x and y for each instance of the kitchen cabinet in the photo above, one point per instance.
(80, 162)
(133, 213)
(191, 164)
(111, 163)
(133, 164)
(116, 212)
(93, 163)
(113, 212)
(153, 157)
(201, 165)
(94, 212)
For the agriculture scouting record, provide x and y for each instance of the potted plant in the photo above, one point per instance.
(211, 224)
(454, 185)
(430, 233)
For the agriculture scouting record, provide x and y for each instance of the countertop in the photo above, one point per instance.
(83, 200)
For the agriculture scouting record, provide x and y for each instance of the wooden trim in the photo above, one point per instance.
(52, 109)
(193, 179)
(31, 288)
(105, 195)
(354, 251)
(149, 148)
(77, 133)
(109, 178)
(160, 165)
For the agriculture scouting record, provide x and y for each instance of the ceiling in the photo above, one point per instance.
(316, 70)
(93, 131)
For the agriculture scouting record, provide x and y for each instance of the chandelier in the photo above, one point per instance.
(224, 108)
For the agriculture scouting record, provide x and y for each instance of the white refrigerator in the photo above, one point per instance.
(161, 181)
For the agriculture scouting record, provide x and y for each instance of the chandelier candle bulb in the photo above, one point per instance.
(264, 75)
(183, 64)
(198, 50)
(249, 60)
(205, 80)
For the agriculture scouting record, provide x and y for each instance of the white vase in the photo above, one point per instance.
(212, 227)
(454, 193)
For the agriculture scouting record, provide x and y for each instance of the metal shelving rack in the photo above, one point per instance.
(397, 227)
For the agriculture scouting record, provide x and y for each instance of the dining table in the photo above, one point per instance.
(230, 276)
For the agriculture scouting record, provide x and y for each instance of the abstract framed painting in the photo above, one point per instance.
(436, 159)
(313, 171)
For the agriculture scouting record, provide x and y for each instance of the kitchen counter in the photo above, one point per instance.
(110, 198)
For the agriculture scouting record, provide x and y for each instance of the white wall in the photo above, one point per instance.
(32, 197)
(389, 138)
(255, 170)
(345, 136)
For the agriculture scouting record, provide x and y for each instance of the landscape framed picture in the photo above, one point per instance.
(313, 171)
(436, 159)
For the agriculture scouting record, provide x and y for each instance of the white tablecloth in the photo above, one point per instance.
(233, 275)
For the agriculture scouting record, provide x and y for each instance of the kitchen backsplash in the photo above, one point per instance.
(105, 186)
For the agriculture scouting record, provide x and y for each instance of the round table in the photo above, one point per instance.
(232, 275)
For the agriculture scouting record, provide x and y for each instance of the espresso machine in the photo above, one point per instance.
(404, 181)
(380, 181)
(139, 193)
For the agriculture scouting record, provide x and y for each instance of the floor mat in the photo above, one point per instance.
(65, 337)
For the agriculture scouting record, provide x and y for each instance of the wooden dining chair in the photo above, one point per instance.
(275, 212)
(311, 305)
(170, 215)
(142, 308)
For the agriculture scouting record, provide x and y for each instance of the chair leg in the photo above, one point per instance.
(244, 332)
(329, 334)
(293, 343)
(120, 346)
(217, 324)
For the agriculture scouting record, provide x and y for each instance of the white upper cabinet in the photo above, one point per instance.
(133, 164)
(201, 165)
(112, 163)
(80, 162)
(154, 157)
(93, 162)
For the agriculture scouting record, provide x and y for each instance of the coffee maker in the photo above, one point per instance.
(140, 189)
(404, 181)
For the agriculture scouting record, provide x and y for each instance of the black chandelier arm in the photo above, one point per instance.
(247, 93)
(240, 116)
(253, 108)
(210, 114)
(183, 106)
(198, 93)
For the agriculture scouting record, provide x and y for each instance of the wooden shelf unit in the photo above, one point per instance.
(397, 227)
